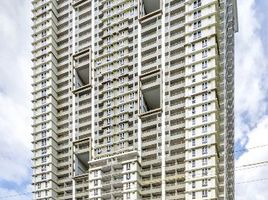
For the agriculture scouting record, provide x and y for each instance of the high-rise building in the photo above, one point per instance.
(133, 99)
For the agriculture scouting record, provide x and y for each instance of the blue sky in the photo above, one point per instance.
(251, 93)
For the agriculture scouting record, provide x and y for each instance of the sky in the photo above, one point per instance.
(251, 99)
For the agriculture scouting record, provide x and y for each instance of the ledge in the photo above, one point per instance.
(82, 88)
(76, 3)
(150, 15)
(151, 112)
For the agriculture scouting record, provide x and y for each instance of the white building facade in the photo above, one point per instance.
(133, 99)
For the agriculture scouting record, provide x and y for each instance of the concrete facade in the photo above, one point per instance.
(133, 99)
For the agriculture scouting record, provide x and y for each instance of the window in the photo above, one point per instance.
(99, 150)
(128, 176)
(193, 79)
(108, 139)
(43, 100)
(193, 131)
(199, 34)
(43, 134)
(128, 185)
(205, 139)
(204, 107)
(193, 121)
(204, 129)
(204, 182)
(108, 94)
(128, 166)
(204, 43)
(193, 142)
(108, 84)
(197, 24)
(44, 142)
(43, 168)
(193, 47)
(44, 126)
(193, 153)
(122, 108)
(44, 159)
(122, 80)
(43, 84)
(204, 75)
(95, 173)
(193, 174)
(121, 62)
(193, 100)
(95, 191)
(132, 95)
(121, 145)
(204, 172)
(204, 97)
(109, 111)
(121, 53)
(193, 163)
(44, 117)
(193, 184)
(204, 118)
(204, 161)
(205, 53)
(44, 151)
(193, 89)
(43, 108)
(128, 195)
(131, 105)
(204, 193)
(193, 68)
(205, 86)
(43, 177)
(122, 126)
(109, 147)
(109, 102)
(121, 70)
(193, 195)
(204, 64)
(197, 14)
(204, 150)
(95, 182)
(194, 36)
(197, 4)
(193, 110)
(121, 135)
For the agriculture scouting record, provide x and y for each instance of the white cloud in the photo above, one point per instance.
(15, 87)
(251, 101)
(15, 195)
(15, 140)
(251, 70)
(254, 190)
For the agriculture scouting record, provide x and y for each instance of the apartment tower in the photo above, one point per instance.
(133, 99)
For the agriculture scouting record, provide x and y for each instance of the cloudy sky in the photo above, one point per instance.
(251, 103)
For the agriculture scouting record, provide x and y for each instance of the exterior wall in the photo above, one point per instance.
(133, 99)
